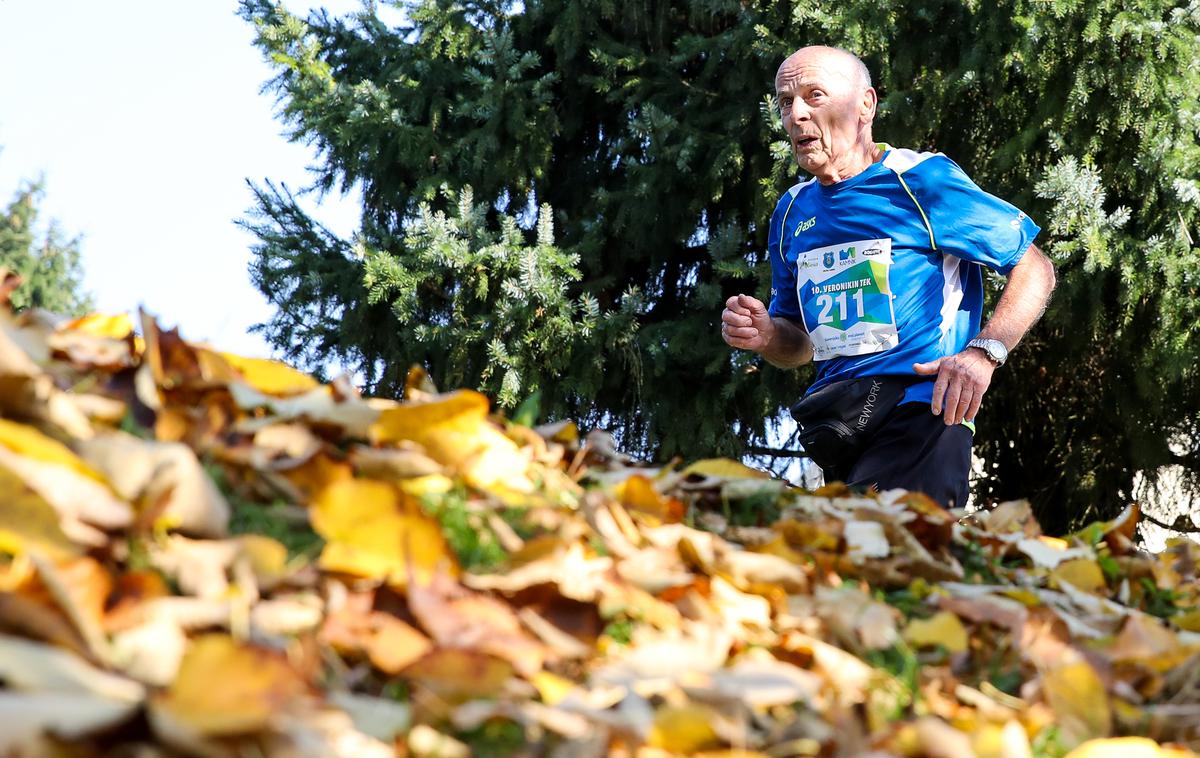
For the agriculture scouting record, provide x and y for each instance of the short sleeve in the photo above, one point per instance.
(966, 221)
(783, 275)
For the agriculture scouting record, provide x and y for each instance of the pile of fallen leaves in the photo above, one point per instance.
(212, 555)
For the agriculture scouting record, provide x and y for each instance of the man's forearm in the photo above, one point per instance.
(790, 345)
(1023, 299)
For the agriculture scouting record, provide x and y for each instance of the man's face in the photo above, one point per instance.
(822, 104)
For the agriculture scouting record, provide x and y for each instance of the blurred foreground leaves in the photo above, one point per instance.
(212, 555)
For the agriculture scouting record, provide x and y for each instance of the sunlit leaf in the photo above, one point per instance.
(454, 430)
(943, 629)
(1080, 702)
(270, 377)
(373, 530)
(27, 522)
(254, 684)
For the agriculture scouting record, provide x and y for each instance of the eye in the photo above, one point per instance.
(785, 102)
(815, 94)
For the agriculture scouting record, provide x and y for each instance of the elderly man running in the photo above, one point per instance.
(877, 276)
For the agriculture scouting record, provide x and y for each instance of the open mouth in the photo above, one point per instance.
(803, 142)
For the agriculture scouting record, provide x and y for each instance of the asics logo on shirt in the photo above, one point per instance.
(804, 226)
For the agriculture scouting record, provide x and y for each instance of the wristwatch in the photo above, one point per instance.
(993, 349)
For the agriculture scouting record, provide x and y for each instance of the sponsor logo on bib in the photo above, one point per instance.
(846, 298)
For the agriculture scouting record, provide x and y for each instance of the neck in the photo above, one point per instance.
(853, 162)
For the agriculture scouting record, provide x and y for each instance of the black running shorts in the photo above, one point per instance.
(914, 450)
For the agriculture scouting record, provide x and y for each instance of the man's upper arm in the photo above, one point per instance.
(1036, 263)
(966, 221)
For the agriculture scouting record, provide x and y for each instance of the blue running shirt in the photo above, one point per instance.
(884, 269)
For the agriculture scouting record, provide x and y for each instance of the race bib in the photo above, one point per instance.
(846, 298)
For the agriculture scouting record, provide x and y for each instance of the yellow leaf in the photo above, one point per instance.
(31, 443)
(1189, 621)
(723, 468)
(683, 729)
(637, 493)
(551, 687)
(943, 629)
(1126, 747)
(457, 674)
(115, 327)
(455, 431)
(432, 484)
(225, 688)
(373, 530)
(1024, 597)
(28, 523)
(1077, 695)
(268, 559)
(1081, 573)
(271, 377)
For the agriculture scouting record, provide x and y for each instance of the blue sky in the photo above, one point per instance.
(145, 120)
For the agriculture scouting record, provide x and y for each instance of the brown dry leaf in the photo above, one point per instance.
(80, 588)
(454, 430)
(373, 530)
(392, 463)
(96, 341)
(36, 616)
(150, 652)
(165, 477)
(576, 575)
(456, 617)
(28, 717)
(32, 666)
(389, 643)
(126, 605)
(255, 686)
(1144, 639)
(455, 674)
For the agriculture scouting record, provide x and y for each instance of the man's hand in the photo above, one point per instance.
(962, 379)
(745, 324)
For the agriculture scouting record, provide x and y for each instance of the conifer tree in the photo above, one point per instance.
(48, 264)
(648, 133)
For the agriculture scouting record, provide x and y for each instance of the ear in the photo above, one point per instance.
(867, 105)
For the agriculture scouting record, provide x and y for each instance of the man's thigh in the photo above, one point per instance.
(915, 450)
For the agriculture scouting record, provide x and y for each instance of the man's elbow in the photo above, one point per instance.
(1049, 276)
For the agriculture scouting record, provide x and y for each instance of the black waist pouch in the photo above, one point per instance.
(838, 420)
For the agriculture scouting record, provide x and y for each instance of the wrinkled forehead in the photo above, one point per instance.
(806, 69)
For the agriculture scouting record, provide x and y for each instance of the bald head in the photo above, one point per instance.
(833, 58)
(827, 104)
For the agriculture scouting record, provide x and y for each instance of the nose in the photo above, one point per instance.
(799, 112)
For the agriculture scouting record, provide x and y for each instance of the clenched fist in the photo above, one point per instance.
(746, 324)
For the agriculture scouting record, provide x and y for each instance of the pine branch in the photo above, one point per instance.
(1183, 524)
